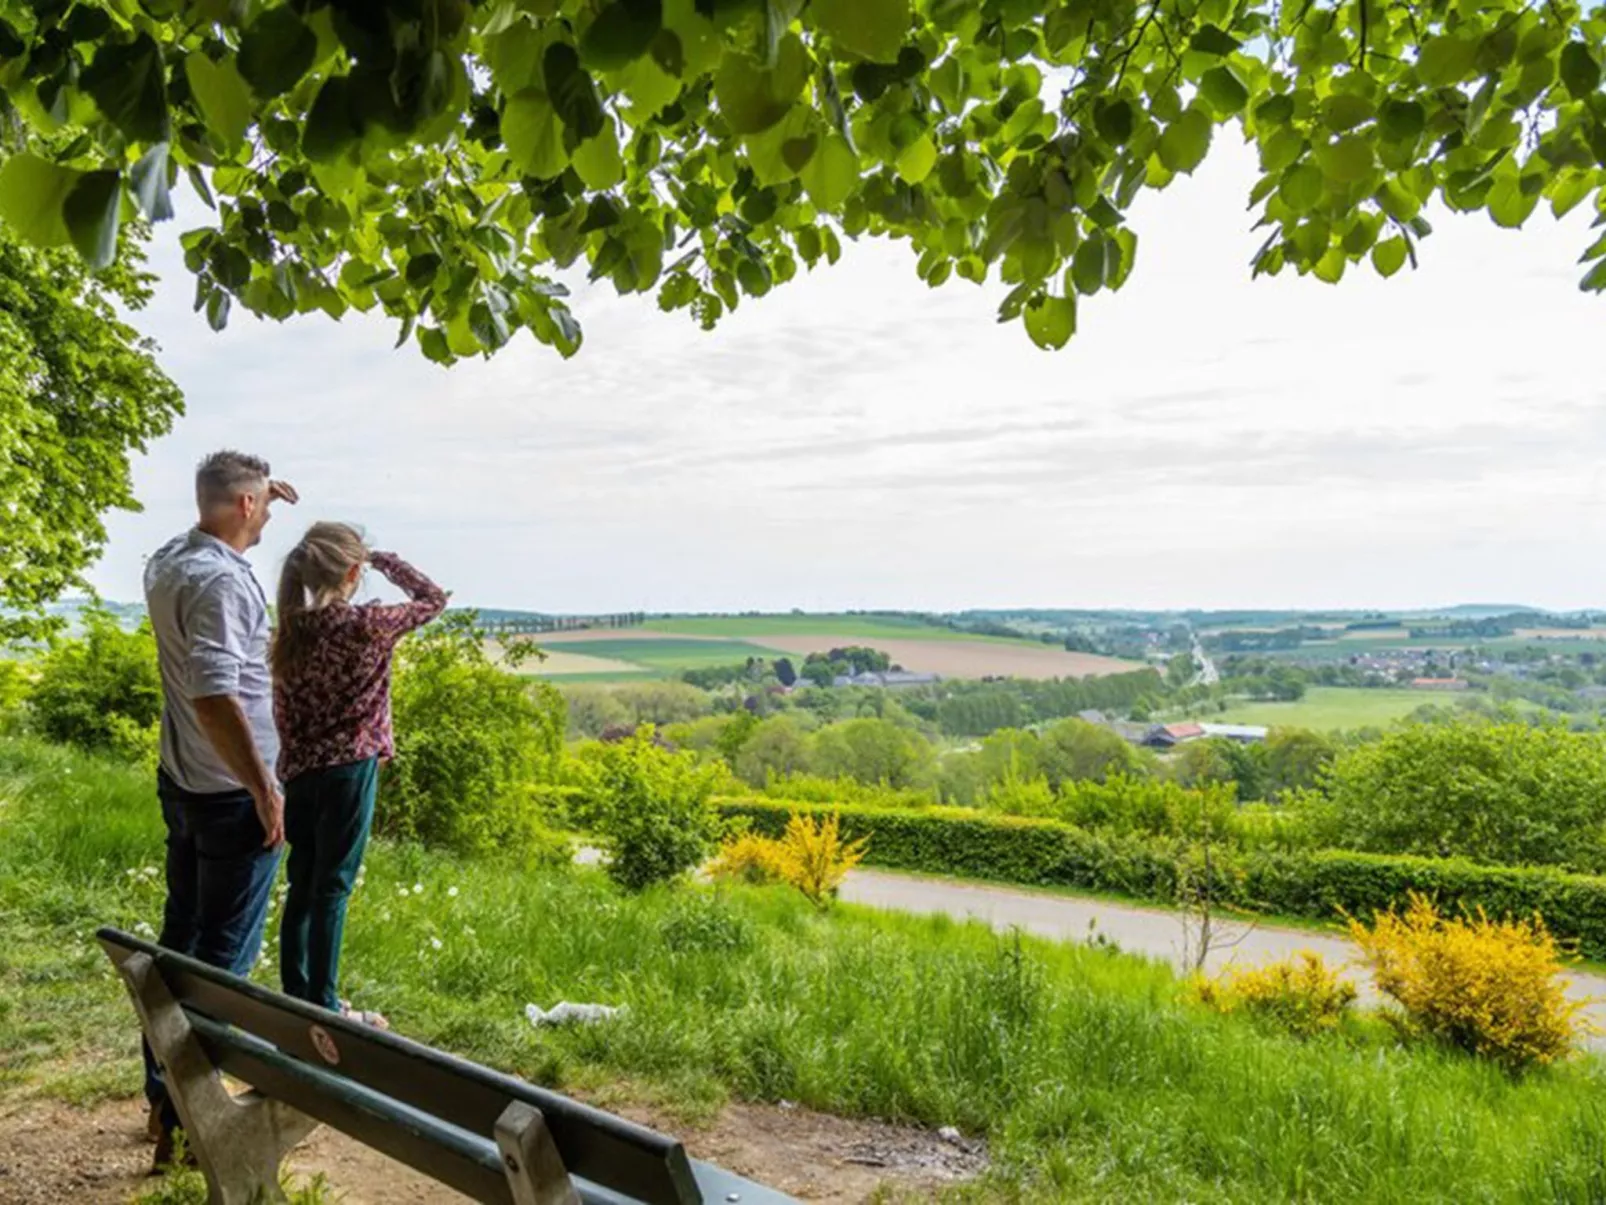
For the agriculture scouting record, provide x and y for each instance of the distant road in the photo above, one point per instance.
(1156, 932)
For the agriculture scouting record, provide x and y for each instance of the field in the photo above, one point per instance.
(1335, 708)
(667, 647)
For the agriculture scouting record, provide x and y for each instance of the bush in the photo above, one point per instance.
(748, 858)
(1300, 995)
(812, 857)
(656, 816)
(474, 743)
(875, 752)
(1492, 988)
(100, 690)
(1504, 794)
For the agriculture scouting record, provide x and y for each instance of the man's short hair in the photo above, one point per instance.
(224, 476)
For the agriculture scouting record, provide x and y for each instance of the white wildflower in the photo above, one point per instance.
(434, 943)
(452, 892)
(404, 893)
(418, 889)
(144, 930)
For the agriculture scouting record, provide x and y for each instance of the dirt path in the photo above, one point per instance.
(1156, 932)
(51, 1153)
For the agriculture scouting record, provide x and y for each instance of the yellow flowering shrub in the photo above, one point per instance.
(1493, 988)
(1301, 995)
(749, 858)
(813, 857)
(810, 856)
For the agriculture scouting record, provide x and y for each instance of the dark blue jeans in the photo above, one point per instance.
(219, 878)
(327, 815)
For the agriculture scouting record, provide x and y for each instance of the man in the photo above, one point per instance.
(220, 799)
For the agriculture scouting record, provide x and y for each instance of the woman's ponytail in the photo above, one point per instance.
(312, 577)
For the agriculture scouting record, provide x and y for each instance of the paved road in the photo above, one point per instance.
(1156, 932)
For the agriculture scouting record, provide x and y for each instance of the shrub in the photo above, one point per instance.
(656, 816)
(748, 858)
(1493, 988)
(873, 751)
(100, 690)
(473, 743)
(812, 856)
(1300, 995)
(1503, 794)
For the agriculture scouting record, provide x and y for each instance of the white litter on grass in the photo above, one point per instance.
(564, 1013)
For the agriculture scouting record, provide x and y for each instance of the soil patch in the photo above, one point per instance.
(52, 1153)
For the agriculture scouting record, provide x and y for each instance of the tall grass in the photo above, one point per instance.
(1090, 1074)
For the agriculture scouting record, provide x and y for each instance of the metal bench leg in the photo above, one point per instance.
(239, 1141)
(535, 1170)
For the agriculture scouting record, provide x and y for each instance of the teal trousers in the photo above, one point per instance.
(327, 815)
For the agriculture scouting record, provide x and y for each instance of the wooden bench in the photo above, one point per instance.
(490, 1136)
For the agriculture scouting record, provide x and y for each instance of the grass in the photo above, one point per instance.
(668, 655)
(1333, 708)
(1088, 1071)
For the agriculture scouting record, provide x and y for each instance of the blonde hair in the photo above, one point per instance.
(312, 578)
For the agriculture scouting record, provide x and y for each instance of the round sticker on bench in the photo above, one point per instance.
(325, 1045)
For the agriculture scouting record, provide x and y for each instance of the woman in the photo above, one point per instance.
(331, 700)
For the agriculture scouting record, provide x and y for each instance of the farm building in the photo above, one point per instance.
(1168, 736)
(1244, 734)
(891, 677)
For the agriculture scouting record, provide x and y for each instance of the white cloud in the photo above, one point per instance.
(856, 439)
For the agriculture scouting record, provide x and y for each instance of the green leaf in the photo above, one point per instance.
(1302, 188)
(1446, 60)
(217, 309)
(1402, 121)
(1224, 91)
(1595, 279)
(752, 98)
(432, 342)
(277, 50)
(1281, 149)
(1208, 39)
(916, 160)
(597, 160)
(91, 212)
(1088, 264)
(129, 87)
(1580, 73)
(33, 192)
(148, 181)
(1347, 160)
(1050, 321)
(1114, 121)
(1344, 111)
(622, 33)
(332, 127)
(872, 29)
(223, 97)
(1509, 205)
(649, 87)
(572, 91)
(1275, 110)
(1397, 202)
(832, 175)
(1185, 142)
(533, 135)
(1388, 257)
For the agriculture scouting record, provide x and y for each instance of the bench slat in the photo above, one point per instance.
(632, 1160)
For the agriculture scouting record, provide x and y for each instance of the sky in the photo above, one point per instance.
(857, 440)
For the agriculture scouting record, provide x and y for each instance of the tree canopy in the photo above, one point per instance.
(79, 391)
(437, 159)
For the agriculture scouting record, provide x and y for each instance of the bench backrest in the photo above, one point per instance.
(431, 1110)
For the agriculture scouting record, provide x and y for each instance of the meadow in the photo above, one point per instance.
(1334, 708)
(1088, 1071)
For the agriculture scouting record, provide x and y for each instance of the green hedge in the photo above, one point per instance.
(1319, 884)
